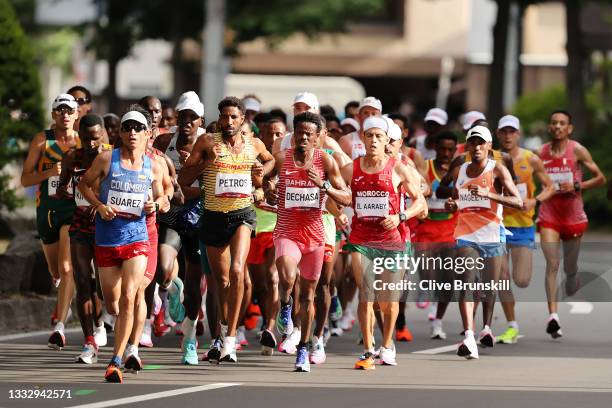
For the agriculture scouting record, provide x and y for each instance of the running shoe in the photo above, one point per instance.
(57, 340)
(268, 343)
(387, 356)
(145, 337)
(284, 324)
(468, 348)
(302, 365)
(175, 301)
(326, 335)
(241, 337)
(160, 328)
(335, 329)
(317, 353)
(89, 355)
(289, 343)
(365, 362)
(133, 364)
(403, 334)
(228, 351)
(335, 309)
(436, 330)
(348, 320)
(190, 352)
(553, 328)
(251, 317)
(486, 337)
(109, 321)
(510, 336)
(213, 354)
(433, 309)
(100, 336)
(572, 284)
(113, 374)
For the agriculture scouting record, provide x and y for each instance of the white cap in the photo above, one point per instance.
(394, 133)
(251, 104)
(437, 115)
(190, 100)
(371, 102)
(480, 131)
(509, 120)
(376, 122)
(65, 99)
(352, 122)
(471, 117)
(135, 116)
(308, 98)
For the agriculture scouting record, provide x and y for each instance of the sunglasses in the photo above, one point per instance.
(64, 109)
(129, 126)
(82, 101)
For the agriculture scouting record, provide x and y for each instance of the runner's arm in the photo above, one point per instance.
(98, 170)
(444, 190)
(548, 188)
(29, 175)
(584, 156)
(66, 175)
(513, 199)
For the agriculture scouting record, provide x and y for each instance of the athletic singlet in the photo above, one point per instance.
(47, 189)
(526, 187)
(437, 211)
(300, 202)
(478, 219)
(428, 154)
(374, 198)
(227, 181)
(125, 190)
(562, 208)
(357, 146)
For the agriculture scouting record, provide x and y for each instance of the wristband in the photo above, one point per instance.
(156, 206)
(577, 186)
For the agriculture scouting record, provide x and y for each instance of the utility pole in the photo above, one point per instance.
(214, 64)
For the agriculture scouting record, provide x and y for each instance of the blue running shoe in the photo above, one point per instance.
(335, 309)
(175, 301)
(302, 365)
(284, 324)
(190, 353)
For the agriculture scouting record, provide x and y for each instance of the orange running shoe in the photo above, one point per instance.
(365, 362)
(403, 334)
(252, 316)
(113, 374)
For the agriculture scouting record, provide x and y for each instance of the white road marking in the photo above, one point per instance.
(444, 349)
(34, 334)
(580, 308)
(156, 395)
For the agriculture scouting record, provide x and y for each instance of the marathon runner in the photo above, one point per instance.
(352, 143)
(435, 121)
(478, 231)
(228, 217)
(82, 232)
(122, 246)
(43, 167)
(562, 218)
(82, 96)
(378, 184)
(304, 174)
(470, 119)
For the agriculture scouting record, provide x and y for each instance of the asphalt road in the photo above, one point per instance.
(575, 371)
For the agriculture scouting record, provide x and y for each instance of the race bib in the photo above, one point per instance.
(522, 188)
(559, 178)
(233, 185)
(467, 200)
(372, 206)
(128, 204)
(53, 184)
(302, 197)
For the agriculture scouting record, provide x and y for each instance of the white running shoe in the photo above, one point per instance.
(228, 351)
(436, 330)
(317, 354)
(336, 331)
(100, 336)
(347, 320)
(289, 344)
(145, 338)
(468, 348)
(431, 312)
(387, 356)
(89, 355)
(486, 337)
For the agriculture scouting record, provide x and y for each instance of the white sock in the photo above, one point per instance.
(189, 329)
(59, 326)
(469, 333)
(554, 316)
(513, 324)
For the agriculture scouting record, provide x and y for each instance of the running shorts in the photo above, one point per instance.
(378, 253)
(187, 242)
(259, 244)
(49, 222)
(329, 227)
(565, 231)
(485, 250)
(107, 257)
(309, 260)
(521, 236)
(218, 228)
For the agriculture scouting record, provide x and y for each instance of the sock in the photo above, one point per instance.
(469, 333)
(486, 327)
(513, 324)
(189, 329)
(90, 340)
(552, 316)
(59, 326)
(116, 360)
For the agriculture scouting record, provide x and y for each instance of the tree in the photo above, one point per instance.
(575, 72)
(21, 114)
